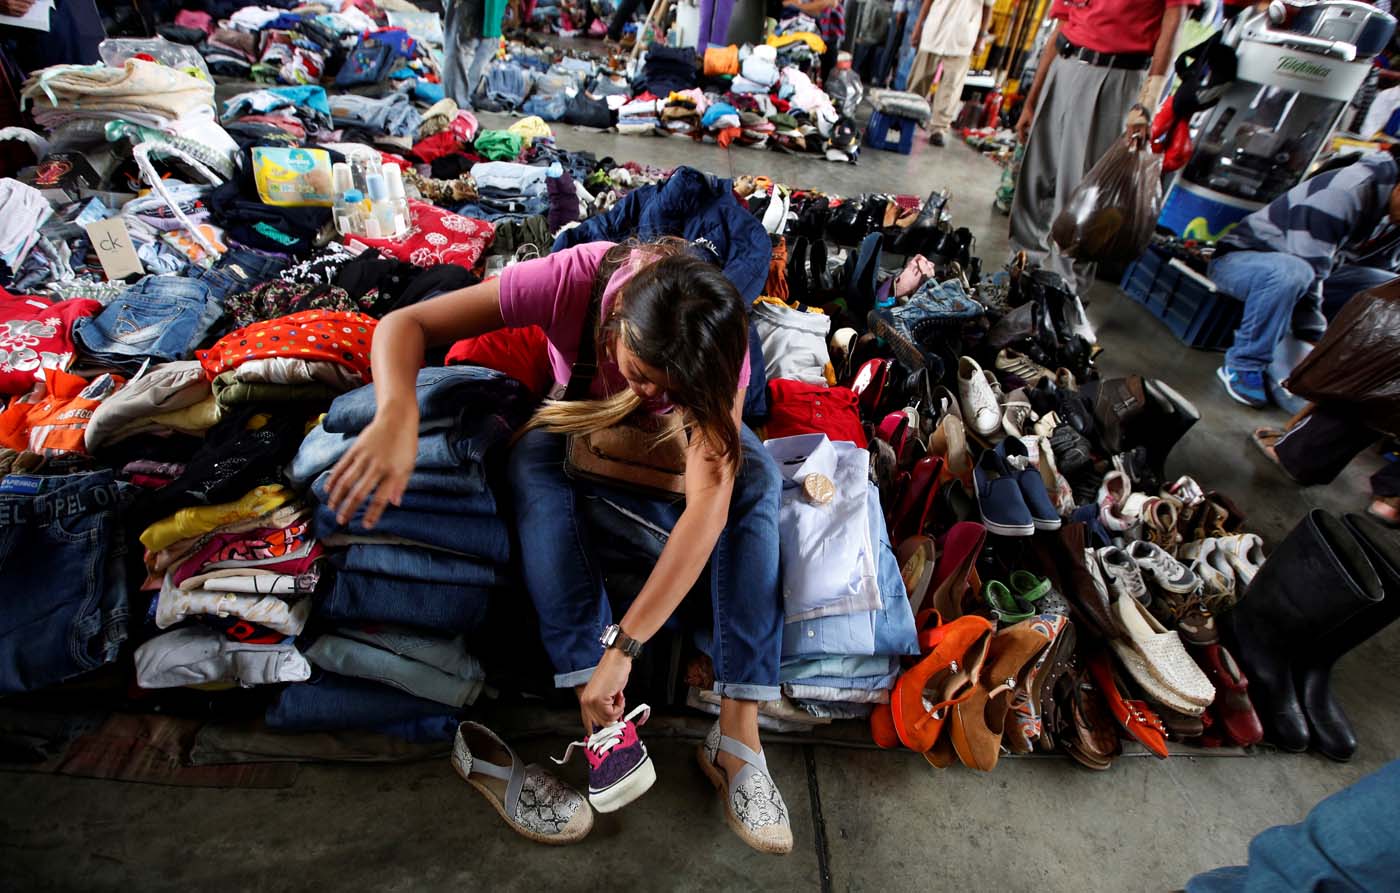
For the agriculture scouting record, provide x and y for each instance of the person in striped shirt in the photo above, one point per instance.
(1328, 237)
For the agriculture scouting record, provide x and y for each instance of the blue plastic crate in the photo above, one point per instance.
(890, 133)
(1197, 312)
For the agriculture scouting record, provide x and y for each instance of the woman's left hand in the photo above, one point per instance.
(601, 702)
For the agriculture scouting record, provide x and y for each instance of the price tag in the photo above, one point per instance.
(113, 245)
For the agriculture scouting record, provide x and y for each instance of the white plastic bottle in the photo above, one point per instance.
(398, 201)
(342, 181)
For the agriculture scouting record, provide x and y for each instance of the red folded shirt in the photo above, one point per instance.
(799, 408)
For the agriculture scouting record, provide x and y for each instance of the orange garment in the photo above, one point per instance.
(727, 135)
(335, 336)
(721, 60)
(52, 420)
(777, 285)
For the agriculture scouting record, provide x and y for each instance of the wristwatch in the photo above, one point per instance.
(614, 637)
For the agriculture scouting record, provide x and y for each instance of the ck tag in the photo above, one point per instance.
(113, 245)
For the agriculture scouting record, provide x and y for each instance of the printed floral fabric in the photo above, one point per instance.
(436, 237)
(36, 335)
(274, 298)
(333, 336)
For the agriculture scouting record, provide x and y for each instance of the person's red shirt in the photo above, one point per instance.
(1113, 26)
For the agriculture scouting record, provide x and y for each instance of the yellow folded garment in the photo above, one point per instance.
(194, 419)
(531, 128)
(201, 519)
(812, 40)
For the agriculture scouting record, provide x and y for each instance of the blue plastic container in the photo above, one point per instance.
(890, 133)
(1197, 312)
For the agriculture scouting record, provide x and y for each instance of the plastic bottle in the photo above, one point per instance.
(376, 223)
(342, 181)
(398, 201)
(355, 211)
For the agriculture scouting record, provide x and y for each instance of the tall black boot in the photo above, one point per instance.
(1332, 734)
(1162, 424)
(1315, 580)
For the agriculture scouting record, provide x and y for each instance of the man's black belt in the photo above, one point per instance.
(1129, 61)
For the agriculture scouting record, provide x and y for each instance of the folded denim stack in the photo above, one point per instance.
(434, 560)
(60, 625)
(848, 618)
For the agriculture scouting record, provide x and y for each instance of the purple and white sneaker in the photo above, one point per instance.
(619, 768)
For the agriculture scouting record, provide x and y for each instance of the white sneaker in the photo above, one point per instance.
(1169, 573)
(1245, 553)
(980, 409)
(1124, 578)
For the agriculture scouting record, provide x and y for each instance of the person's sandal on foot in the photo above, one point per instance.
(534, 803)
(752, 805)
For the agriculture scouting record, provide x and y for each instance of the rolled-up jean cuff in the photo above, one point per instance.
(575, 678)
(744, 691)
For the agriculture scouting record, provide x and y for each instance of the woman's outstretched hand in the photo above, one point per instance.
(376, 470)
(601, 701)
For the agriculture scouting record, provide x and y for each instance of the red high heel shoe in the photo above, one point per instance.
(1136, 718)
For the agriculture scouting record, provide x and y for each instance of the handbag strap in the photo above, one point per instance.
(585, 368)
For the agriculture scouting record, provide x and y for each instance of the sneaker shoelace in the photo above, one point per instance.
(608, 737)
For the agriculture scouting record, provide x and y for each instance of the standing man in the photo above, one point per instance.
(1102, 57)
(472, 35)
(955, 33)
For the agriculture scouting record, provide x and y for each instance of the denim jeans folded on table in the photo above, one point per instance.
(483, 503)
(330, 701)
(482, 536)
(61, 557)
(444, 393)
(457, 686)
(438, 467)
(377, 598)
(425, 565)
(160, 318)
(837, 666)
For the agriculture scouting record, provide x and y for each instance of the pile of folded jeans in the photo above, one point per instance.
(406, 592)
(847, 614)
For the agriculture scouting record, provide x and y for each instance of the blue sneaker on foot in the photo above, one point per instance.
(1245, 386)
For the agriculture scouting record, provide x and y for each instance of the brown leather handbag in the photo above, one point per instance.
(645, 454)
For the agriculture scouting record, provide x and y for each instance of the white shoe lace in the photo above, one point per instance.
(608, 737)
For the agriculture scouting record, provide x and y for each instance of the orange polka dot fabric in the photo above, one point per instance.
(334, 336)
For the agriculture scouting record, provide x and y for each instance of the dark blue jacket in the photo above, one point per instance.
(702, 209)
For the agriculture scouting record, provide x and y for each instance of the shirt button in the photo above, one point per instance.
(811, 634)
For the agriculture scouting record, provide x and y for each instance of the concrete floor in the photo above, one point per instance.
(863, 820)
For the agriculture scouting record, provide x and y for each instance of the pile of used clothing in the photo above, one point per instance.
(184, 357)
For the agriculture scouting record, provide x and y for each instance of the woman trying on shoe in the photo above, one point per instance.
(671, 335)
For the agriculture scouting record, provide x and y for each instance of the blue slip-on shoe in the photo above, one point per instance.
(999, 500)
(1245, 386)
(1017, 460)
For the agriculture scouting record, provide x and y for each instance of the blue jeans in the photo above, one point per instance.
(444, 450)
(444, 392)
(412, 563)
(237, 270)
(1348, 842)
(563, 575)
(329, 702)
(162, 318)
(483, 536)
(61, 557)
(1270, 284)
(457, 607)
(1347, 281)
(482, 503)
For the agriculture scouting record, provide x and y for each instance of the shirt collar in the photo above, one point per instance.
(804, 454)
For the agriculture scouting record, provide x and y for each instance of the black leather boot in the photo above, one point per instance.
(1332, 734)
(1117, 402)
(1162, 424)
(1315, 580)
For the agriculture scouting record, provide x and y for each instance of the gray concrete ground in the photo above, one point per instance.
(863, 819)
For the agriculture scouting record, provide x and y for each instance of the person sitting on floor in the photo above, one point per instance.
(671, 333)
(1281, 259)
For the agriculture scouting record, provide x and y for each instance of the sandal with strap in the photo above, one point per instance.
(535, 804)
(752, 805)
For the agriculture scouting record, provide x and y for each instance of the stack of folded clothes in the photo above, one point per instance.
(847, 613)
(407, 592)
(139, 92)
